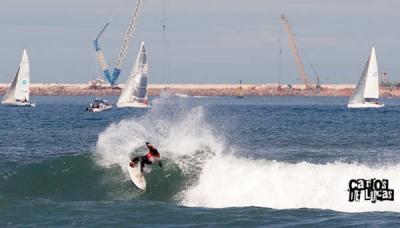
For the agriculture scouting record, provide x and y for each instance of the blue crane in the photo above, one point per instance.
(100, 55)
(112, 77)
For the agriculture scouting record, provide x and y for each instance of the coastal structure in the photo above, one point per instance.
(272, 89)
(295, 51)
(113, 76)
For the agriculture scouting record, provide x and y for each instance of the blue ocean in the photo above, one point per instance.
(256, 161)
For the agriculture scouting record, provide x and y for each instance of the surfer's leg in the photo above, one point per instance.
(134, 161)
(144, 160)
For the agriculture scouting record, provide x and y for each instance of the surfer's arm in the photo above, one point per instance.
(160, 164)
(135, 159)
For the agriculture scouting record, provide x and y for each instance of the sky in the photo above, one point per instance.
(206, 41)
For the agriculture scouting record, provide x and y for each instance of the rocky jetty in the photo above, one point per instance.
(200, 90)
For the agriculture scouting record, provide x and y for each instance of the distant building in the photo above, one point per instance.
(98, 83)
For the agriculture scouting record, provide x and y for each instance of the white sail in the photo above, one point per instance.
(134, 93)
(9, 98)
(372, 82)
(358, 93)
(19, 89)
(368, 86)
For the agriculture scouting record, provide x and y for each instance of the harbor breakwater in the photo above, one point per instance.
(200, 90)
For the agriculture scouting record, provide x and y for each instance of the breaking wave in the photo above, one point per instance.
(238, 182)
(213, 175)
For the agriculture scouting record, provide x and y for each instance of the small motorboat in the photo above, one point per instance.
(98, 105)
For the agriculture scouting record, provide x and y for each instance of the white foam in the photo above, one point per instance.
(237, 182)
(179, 132)
(118, 141)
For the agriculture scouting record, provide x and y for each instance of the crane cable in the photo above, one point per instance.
(308, 61)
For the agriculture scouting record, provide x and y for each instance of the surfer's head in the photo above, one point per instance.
(149, 145)
(152, 149)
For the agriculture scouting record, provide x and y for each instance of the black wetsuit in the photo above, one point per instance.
(144, 159)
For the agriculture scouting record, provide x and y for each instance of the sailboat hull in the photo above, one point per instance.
(365, 105)
(20, 104)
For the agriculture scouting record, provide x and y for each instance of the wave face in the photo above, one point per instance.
(202, 171)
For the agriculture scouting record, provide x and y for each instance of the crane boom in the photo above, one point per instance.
(100, 55)
(125, 43)
(295, 52)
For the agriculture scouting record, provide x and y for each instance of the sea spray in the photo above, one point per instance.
(179, 131)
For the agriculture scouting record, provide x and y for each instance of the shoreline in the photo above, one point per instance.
(55, 89)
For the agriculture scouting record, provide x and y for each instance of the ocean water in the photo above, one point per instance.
(257, 161)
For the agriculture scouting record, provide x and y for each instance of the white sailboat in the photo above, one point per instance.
(18, 93)
(134, 93)
(366, 94)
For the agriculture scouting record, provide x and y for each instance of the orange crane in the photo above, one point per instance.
(295, 52)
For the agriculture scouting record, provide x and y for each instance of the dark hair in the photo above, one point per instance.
(154, 151)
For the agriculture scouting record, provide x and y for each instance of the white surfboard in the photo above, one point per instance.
(137, 177)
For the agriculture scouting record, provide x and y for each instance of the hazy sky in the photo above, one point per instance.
(206, 41)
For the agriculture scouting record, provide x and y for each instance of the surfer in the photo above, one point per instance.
(152, 156)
